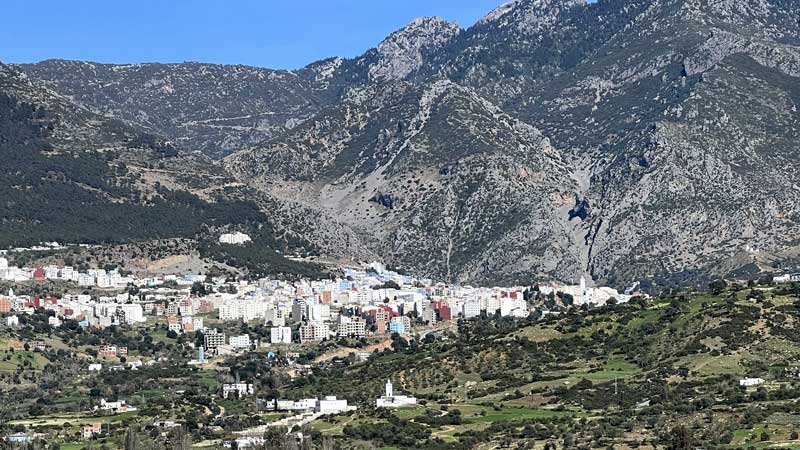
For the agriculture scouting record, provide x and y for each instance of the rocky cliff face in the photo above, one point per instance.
(403, 53)
(482, 210)
(623, 140)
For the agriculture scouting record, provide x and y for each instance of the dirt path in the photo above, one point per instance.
(343, 352)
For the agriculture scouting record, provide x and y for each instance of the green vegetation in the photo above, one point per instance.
(662, 374)
(43, 186)
(623, 375)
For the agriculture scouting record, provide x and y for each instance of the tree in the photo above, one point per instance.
(569, 440)
(717, 286)
(180, 439)
(328, 443)
(682, 439)
(199, 289)
(131, 440)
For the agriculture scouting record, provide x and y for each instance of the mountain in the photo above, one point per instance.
(376, 159)
(619, 140)
(663, 173)
(212, 108)
(72, 176)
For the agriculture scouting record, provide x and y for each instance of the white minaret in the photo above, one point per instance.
(389, 389)
(584, 300)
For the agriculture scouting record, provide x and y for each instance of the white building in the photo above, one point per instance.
(311, 312)
(237, 389)
(593, 296)
(352, 326)
(244, 310)
(116, 407)
(332, 405)
(85, 280)
(389, 400)
(491, 305)
(133, 313)
(308, 404)
(234, 238)
(750, 382)
(326, 405)
(318, 312)
(275, 317)
(12, 321)
(471, 308)
(239, 342)
(280, 335)
(513, 307)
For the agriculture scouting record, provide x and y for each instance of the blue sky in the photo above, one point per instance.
(267, 33)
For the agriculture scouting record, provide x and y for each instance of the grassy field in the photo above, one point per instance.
(81, 445)
(777, 437)
(74, 419)
(539, 334)
(31, 360)
(517, 414)
(335, 426)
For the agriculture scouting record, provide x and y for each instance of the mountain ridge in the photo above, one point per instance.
(549, 139)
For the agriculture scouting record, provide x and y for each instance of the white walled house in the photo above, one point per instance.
(239, 342)
(234, 238)
(239, 390)
(750, 382)
(332, 405)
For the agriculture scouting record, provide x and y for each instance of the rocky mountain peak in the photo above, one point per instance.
(769, 19)
(401, 54)
(529, 15)
(323, 71)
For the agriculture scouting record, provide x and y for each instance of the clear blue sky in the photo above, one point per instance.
(267, 33)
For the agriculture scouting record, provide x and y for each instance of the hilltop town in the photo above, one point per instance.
(368, 302)
(215, 319)
(224, 360)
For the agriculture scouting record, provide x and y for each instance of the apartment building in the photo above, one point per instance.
(314, 332)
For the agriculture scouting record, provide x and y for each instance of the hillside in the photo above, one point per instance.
(61, 159)
(75, 177)
(652, 374)
(627, 376)
(551, 139)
